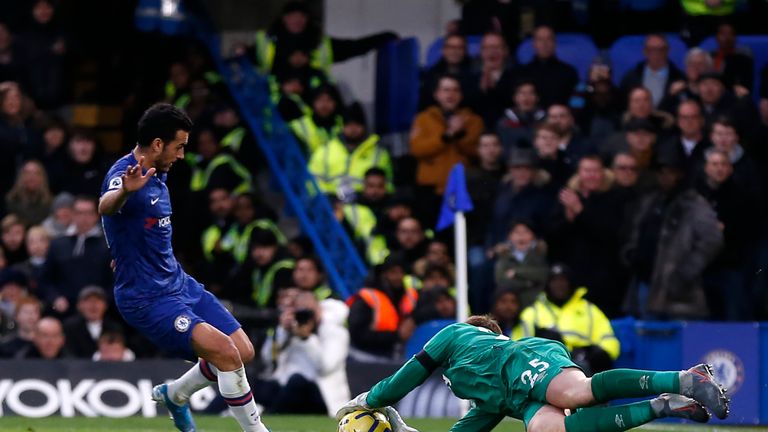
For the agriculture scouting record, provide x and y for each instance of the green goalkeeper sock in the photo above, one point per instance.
(610, 419)
(626, 383)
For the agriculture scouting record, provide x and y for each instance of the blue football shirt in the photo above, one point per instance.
(139, 239)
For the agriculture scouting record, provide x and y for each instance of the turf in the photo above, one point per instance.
(276, 423)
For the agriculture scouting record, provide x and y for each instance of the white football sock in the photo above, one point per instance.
(201, 375)
(236, 392)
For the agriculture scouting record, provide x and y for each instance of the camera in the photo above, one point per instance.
(304, 316)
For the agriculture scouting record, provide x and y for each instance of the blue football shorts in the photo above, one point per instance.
(168, 321)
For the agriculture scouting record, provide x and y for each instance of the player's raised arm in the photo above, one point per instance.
(122, 187)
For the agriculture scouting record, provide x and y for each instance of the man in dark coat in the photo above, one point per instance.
(675, 234)
(83, 330)
(584, 233)
(523, 195)
(76, 260)
(554, 79)
(724, 280)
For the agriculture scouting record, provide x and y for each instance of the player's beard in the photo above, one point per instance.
(165, 167)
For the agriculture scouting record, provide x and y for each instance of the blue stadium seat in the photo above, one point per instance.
(758, 44)
(397, 85)
(435, 49)
(422, 334)
(576, 49)
(627, 52)
(624, 329)
(642, 5)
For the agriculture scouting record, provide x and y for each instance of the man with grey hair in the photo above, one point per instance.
(697, 62)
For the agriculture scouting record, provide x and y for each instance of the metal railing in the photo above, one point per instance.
(344, 267)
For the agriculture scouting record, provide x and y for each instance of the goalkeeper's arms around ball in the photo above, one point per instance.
(359, 403)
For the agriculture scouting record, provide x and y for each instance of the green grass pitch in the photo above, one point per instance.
(276, 423)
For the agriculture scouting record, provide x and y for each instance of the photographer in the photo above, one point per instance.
(307, 353)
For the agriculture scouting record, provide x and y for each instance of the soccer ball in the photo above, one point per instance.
(364, 421)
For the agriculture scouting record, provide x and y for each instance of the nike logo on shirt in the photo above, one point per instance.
(154, 201)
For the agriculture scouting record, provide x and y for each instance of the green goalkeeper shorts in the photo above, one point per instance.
(528, 373)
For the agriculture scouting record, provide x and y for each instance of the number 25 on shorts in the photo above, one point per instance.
(528, 377)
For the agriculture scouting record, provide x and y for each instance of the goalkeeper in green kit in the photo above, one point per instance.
(534, 380)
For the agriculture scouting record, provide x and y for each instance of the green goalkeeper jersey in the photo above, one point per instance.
(472, 359)
(501, 377)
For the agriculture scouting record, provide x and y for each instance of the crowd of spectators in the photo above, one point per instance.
(647, 187)
(642, 198)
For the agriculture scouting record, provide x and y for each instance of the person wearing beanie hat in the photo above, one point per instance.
(289, 93)
(316, 128)
(567, 315)
(234, 137)
(13, 287)
(718, 101)
(639, 138)
(83, 329)
(340, 166)
(60, 220)
(268, 269)
(506, 311)
(379, 313)
(524, 194)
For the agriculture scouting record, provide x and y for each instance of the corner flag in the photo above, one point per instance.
(455, 198)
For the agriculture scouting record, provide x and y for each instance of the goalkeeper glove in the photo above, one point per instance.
(358, 403)
(397, 423)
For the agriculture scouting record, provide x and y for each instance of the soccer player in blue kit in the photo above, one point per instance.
(153, 293)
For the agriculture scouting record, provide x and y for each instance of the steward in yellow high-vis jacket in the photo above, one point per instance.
(341, 164)
(562, 310)
(295, 29)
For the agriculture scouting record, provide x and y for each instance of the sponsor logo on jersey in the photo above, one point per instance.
(161, 222)
(729, 369)
(181, 323)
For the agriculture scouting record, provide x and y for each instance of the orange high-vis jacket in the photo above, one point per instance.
(385, 316)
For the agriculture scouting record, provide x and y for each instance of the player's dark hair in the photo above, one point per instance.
(484, 321)
(162, 121)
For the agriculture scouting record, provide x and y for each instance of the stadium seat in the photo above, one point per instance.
(435, 49)
(422, 334)
(757, 44)
(397, 85)
(624, 330)
(576, 49)
(627, 52)
(642, 5)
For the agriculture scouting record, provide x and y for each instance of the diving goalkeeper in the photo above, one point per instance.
(534, 380)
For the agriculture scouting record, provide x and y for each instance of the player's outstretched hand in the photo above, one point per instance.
(133, 179)
(358, 403)
(397, 423)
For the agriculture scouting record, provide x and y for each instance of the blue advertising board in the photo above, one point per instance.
(733, 350)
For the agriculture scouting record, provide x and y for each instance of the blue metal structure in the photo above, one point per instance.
(345, 269)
